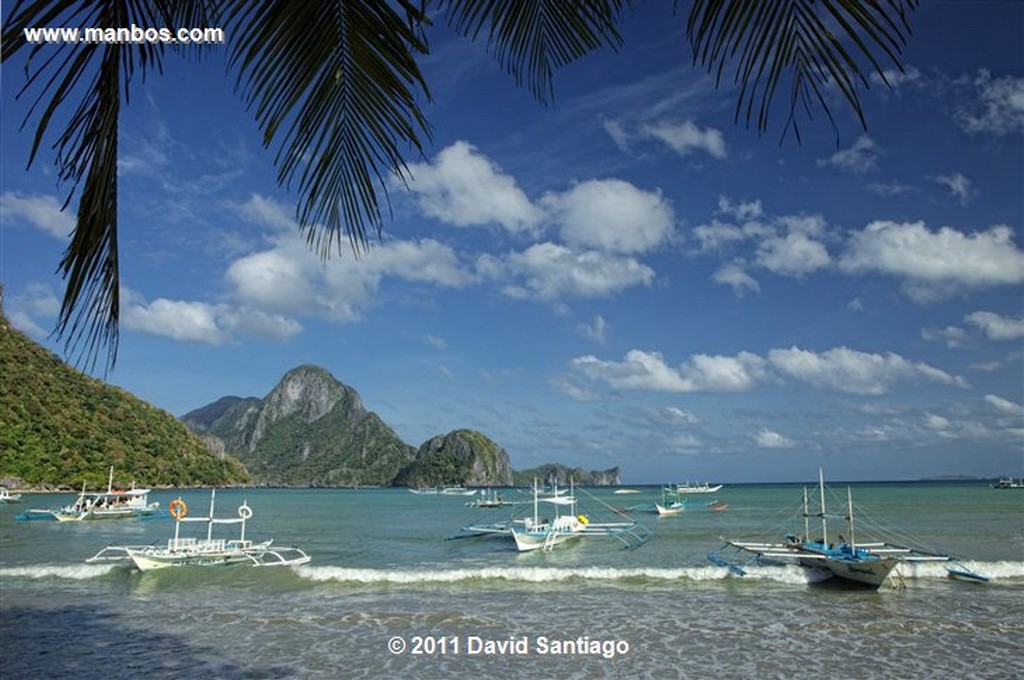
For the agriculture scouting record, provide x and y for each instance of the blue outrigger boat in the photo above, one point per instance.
(861, 563)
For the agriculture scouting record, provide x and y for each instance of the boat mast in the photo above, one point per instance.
(824, 521)
(807, 520)
(110, 480)
(209, 525)
(849, 517)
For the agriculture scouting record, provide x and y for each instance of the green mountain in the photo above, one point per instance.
(555, 473)
(310, 430)
(60, 428)
(463, 457)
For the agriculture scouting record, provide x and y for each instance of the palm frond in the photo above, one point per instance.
(811, 45)
(532, 39)
(336, 85)
(94, 75)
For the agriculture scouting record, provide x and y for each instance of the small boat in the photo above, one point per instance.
(492, 499)
(203, 552)
(457, 491)
(673, 508)
(1009, 483)
(696, 488)
(862, 563)
(7, 497)
(95, 505)
(619, 492)
(716, 506)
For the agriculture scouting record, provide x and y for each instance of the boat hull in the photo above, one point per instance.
(871, 573)
(527, 541)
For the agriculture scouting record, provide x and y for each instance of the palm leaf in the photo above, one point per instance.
(336, 85)
(811, 45)
(531, 39)
(86, 148)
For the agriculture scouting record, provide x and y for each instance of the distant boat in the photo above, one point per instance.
(695, 488)
(445, 491)
(625, 491)
(7, 497)
(97, 505)
(865, 563)
(1009, 483)
(492, 499)
(203, 552)
(716, 506)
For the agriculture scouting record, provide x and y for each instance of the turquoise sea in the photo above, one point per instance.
(387, 595)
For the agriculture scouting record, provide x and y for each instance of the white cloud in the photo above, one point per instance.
(953, 336)
(897, 78)
(678, 416)
(841, 369)
(959, 186)
(595, 331)
(770, 439)
(934, 264)
(701, 373)
(742, 211)
(1005, 406)
(997, 327)
(268, 212)
(796, 254)
(259, 323)
(853, 372)
(859, 158)
(175, 319)
(549, 272)
(435, 341)
(999, 109)
(736, 276)
(289, 279)
(464, 188)
(611, 215)
(40, 211)
(686, 137)
(617, 133)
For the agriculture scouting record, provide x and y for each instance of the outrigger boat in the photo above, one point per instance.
(537, 533)
(696, 488)
(865, 563)
(203, 552)
(94, 505)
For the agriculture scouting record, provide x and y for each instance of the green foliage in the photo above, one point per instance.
(59, 427)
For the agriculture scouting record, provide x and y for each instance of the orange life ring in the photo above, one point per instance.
(177, 508)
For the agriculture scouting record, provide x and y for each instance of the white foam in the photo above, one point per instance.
(76, 572)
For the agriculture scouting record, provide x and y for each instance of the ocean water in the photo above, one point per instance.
(386, 593)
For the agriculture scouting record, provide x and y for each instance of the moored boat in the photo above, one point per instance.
(696, 488)
(203, 552)
(862, 563)
(7, 497)
(98, 505)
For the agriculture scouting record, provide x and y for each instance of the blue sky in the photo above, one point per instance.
(625, 278)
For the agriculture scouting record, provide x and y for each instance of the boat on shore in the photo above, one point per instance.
(98, 505)
(861, 563)
(181, 551)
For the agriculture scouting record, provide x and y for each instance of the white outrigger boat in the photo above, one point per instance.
(94, 505)
(695, 488)
(203, 552)
(864, 563)
(537, 533)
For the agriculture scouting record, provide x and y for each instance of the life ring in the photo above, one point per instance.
(244, 511)
(177, 508)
